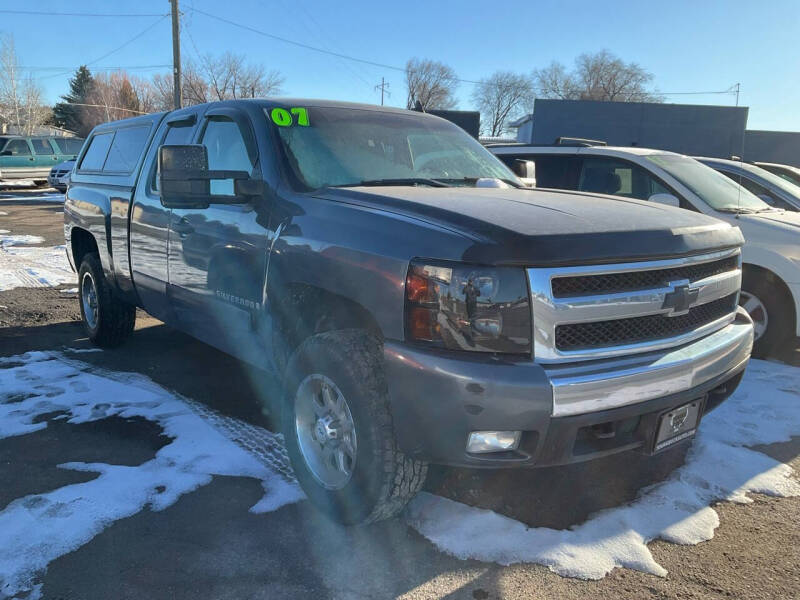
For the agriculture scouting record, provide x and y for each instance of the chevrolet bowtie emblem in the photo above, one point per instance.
(680, 299)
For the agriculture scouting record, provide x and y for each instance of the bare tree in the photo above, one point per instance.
(598, 76)
(500, 98)
(431, 84)
(20, 97)
(225, 77)
(556, 82)
(113, 97)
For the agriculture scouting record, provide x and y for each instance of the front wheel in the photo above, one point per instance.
(108, 320)
(770, 310)
(339, 432)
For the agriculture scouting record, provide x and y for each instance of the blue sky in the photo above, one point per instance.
(688, 45)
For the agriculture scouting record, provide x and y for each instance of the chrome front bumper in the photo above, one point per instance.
(592, 386)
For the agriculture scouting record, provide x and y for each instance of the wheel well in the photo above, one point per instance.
(308, 310)
(776, 282)
(82, 243)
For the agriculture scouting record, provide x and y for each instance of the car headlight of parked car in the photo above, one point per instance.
(466, 307)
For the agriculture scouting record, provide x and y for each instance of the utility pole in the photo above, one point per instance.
(382, 87)
(737, 94)
(176, 55)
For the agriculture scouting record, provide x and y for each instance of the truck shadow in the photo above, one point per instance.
(555, 497)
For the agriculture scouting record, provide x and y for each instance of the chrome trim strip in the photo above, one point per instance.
(602, 385)
(549, 312)
(644, 265)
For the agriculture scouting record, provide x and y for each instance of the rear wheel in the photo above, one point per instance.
(108, 320)
(339, 432)
(770, 308)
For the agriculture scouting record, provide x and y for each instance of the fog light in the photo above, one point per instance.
(492, 441)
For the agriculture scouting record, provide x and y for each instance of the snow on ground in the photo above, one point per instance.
(764, 410)
(39, 528)
(23, 265)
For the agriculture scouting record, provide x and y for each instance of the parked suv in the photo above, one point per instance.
(417, 303)
(31, 158)
(772, 189)
(771, 254)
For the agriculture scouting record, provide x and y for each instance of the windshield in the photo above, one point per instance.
(713, 188)
(773, 179)
(349, 146)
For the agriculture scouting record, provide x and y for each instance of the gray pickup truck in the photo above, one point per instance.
(417, 303)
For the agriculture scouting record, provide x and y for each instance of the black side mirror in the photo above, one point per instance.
(185, 179)
(6, 153)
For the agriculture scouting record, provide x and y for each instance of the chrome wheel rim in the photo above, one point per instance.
(326, 432)
(89, 300)
(757, 311)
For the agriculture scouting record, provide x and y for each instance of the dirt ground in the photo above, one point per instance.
(231, 553)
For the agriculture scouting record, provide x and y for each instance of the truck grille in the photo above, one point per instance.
(600, 311)
(565, 287)
(580, 336)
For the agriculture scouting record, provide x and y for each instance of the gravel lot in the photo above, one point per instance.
(207, 544)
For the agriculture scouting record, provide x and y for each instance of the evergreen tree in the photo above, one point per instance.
(66, 114)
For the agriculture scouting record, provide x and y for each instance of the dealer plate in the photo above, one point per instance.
(677, 425)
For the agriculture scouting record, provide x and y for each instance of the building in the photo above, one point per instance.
(685, 128)
(772, 146)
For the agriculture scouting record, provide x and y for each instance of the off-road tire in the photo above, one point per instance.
(384, 479)
(115, 317)
(779, 310)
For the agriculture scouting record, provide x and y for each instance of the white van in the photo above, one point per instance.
(771, 254)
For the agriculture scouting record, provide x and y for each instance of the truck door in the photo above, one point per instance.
(217, 255)
(149, 221)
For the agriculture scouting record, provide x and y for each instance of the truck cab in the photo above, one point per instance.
(417, 302)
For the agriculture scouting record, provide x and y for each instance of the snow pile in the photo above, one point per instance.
(39, 528)
(765, 409)
(26, 266)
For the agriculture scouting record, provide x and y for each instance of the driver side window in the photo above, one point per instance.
(227, 151)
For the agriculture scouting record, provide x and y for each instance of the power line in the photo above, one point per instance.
(115, 50)
(295, 43)
(371, 62)
(121, 68)
(130, 110)
(77, 14)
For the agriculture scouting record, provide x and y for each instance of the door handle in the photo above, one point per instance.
(183, 227)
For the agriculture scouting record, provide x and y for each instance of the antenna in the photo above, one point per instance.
(382, 86)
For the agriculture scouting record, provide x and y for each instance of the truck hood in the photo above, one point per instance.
(779, 219)
(547, 227)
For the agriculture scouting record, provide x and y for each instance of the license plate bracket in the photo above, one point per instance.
(677, 424)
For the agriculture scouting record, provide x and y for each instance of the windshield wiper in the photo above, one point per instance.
(736, 211)
(398, 181)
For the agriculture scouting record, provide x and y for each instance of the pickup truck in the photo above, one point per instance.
(417, 303)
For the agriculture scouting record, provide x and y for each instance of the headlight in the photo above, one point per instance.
(464, 307)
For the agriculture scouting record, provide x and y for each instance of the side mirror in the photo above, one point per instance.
(667, 199)
(526, 169)
(185, 179)
(6, 153)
